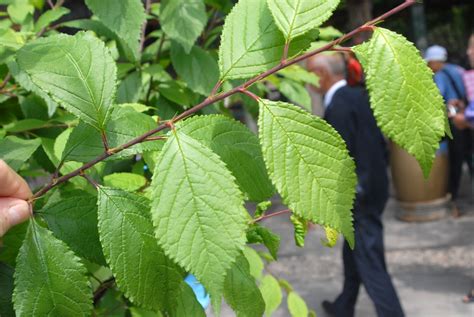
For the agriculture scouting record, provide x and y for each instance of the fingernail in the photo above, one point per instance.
(18, 213)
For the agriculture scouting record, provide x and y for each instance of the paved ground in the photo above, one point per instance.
(432, 264)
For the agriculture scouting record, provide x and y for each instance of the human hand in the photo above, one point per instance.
(460, 121)
(13, 194)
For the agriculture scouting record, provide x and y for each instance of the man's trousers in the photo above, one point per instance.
(366, 265)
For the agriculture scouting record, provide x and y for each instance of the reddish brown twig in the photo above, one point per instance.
(89, 179)
(273, 214)
(250, 94)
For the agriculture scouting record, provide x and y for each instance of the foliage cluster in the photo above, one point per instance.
(142, 192)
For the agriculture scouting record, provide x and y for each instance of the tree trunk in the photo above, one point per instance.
(359, 12)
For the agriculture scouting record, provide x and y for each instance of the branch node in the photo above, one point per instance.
(112, 151)
(89, 179)
(215, 89)
(285, 53)
(250, 94)
(170, 124)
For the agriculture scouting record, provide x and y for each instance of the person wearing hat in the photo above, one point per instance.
(449, 79)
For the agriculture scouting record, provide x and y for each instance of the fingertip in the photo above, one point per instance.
(18, 212)
(12, 212)
(13, 185)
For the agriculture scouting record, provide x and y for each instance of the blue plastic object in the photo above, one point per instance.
(201, 295)
(443, 148)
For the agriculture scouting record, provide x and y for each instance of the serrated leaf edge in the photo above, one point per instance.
(350, 160)
(82, 270)
(100, 125)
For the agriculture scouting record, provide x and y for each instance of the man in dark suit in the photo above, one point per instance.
(348, 111)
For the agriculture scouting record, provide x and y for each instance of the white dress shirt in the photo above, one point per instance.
(334, 88)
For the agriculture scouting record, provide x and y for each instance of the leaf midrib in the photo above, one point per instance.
(311, 170)
(247, 48)
(396, 57)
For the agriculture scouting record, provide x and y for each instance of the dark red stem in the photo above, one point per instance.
(104, 140)
(90, 180)
(250, 94)
(274, 214)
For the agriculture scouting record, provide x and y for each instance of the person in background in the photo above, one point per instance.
(348, 111)
(467, 118)
(14, 192)
(449, 79)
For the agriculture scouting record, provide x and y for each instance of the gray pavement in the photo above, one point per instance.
(432, 263)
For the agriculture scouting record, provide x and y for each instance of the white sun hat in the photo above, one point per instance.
(436, 53)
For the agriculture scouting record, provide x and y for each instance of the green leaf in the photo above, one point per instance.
(251, 42)
(15, 151)
(19, 11)
(261, 208)
(176, 92)
(95, 26)
(198, 211)
(406, 102)
(331, 237)
(24, 125)
(329, 33)
(33, 107)
(85, 144)
(126, 181)
(241, 292)
(187, 303)
(6, 290)
(309, 165)
(238, 148)
(39, 4)
(11, 39)
(49, 278)
(147, 277)
(300, 230)
(285, 285)
(141, 312)
(183, 20)
(271, 293)
(198, 68)
(297, 93)
(76, 71)
(130, 88)
(11, 243)
(125, 18)
(255, 262)
(295, 18)
(297, 305)
(60, 144)
(73, 219)
(49, 17)
(299, 74)
(259, 234)
(25, 82)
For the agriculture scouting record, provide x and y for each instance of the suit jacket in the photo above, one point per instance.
(350, 114)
